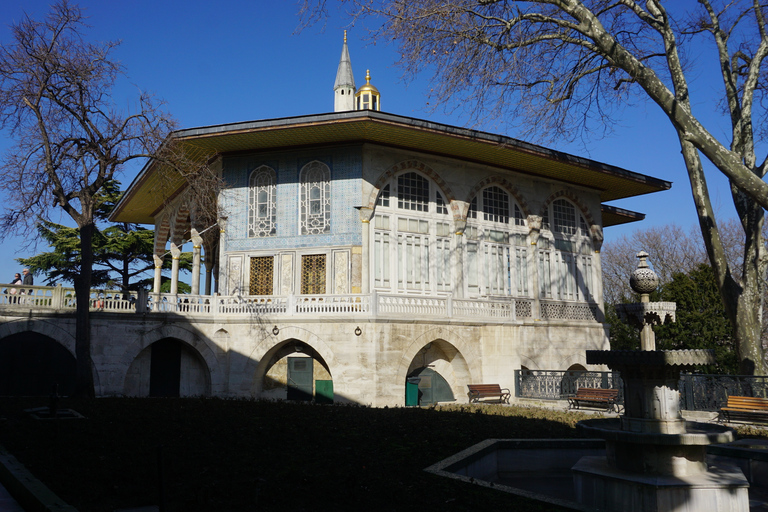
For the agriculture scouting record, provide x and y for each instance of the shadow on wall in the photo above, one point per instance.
(32, 364)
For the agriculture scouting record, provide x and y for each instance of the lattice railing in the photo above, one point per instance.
(374, 305)
(711, 392)
(557, 385)
(570, 311)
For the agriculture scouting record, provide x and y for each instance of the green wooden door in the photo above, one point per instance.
(324, 391)
(432, 387)
(300, 370)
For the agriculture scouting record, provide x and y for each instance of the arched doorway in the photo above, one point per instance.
(168, 368)
(430, 388)
(32, 364)
(296, 371)
(437, 373)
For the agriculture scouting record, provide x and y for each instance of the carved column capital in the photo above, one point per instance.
(596, 232)
(534, 228)
(365, 214)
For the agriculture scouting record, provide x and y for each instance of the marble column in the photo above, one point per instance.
(460, 249)
(158, 273)
(365, 219)
(175, 254)
(197, 244)
(534, 231)
(222, 252)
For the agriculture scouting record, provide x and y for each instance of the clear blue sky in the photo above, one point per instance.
(227, 61)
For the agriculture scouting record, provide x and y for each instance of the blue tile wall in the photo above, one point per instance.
(345, 164)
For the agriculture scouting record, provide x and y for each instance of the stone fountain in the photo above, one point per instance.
(655, 460)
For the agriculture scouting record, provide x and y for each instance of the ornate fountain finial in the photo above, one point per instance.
(646, 314)
(643, 279)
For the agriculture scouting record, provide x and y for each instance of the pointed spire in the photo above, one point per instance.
(344, 88)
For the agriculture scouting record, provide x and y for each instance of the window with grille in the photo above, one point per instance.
(440, 206)
(383, 199)
(262, 276)
(565, 261)
(413, 192)
(495, 260)
(262, 206)
(315, 199)
(313, 274)
(563, 217)
(495, 205)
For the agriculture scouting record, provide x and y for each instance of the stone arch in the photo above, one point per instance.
(503, 183)
(466, 358)
(421, 167)
(44, 327)
(195, 341)
(572, 197)
(162, 233)
(260, 359)
(570, 360)
(34, 364)
(181, 224)
(528, 363)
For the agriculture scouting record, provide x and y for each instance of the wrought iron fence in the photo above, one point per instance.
(697, 392)
(559, 385)
(710, 392)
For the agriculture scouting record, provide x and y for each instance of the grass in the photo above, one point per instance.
(233, 455)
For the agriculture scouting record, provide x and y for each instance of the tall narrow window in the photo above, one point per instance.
(313, 274)
(568, 257)
(495, 266)
(315, 199)
(413, 192)
(564, 217)
(261, 203)
(412, 237)
(262, 272)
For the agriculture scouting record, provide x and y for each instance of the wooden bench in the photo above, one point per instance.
(479, 391)
(745, 408)
(595, 397)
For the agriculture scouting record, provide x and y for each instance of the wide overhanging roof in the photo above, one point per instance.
(154, 186)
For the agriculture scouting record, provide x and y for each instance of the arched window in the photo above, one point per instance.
(565, 254)
(315, 199)
(262, 206)
(496, 248)
(411, 237)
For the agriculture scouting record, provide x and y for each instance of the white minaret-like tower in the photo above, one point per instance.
(344, 88)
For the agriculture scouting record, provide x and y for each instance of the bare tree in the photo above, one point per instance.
(671, 248)
(558, 65)
(69, 137)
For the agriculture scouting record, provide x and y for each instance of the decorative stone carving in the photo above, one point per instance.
(534, 228)
(596, 232)
(643, 279)
(460, 225)
(341, 265)
(286, 274)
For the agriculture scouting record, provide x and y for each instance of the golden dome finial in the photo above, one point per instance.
(345, 37)
(367, 76)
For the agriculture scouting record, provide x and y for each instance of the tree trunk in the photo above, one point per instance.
(742, 299)
(747, 330)
(84, 386)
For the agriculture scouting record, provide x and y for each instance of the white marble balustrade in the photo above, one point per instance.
(373, 305)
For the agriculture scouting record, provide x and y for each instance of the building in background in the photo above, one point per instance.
(369, 257)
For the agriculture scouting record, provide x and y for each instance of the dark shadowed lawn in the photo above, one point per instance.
(233, 455)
